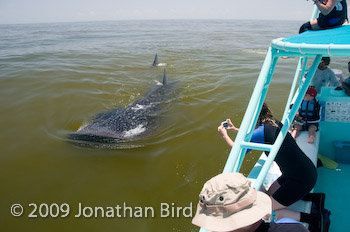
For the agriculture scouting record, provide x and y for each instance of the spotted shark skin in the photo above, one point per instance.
(131, 123)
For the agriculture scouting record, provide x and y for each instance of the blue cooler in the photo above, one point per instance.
(334, 126)
(342, 152)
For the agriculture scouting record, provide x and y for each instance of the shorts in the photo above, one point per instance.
(292, 189)
(305, 125)
(326, 23)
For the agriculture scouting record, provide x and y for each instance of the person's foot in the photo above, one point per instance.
(311, 139)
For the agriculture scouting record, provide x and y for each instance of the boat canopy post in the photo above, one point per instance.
(294, 84)
(298, 73)
(238, 151)
(315, 13)
(246, 143)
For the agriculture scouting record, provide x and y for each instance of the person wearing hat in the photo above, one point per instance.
(324, 76)
(227, 202)
(308, 116)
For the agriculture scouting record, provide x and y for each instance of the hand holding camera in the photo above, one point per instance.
(228, 125)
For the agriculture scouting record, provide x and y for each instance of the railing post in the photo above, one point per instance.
(237, 152)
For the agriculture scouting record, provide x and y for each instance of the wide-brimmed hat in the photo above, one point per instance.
(228, 202)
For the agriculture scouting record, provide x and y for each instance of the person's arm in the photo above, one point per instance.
(333, 80)
(326, 8)
(225, 136)
(257, 136)
(223, 131)
(346, 88)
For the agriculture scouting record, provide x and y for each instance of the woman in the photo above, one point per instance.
(333, 13)
(298, 172)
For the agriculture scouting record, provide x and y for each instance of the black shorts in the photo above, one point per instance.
(326, 23)
(293, 189)
(305, 125)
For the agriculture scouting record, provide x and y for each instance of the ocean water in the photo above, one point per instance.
(55, 77)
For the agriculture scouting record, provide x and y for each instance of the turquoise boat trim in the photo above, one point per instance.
(335, 36)
(315, 13)
(236, 155)
(331, 42)
(253, 146)
(294, 85)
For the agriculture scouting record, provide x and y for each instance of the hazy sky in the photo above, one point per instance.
(34, 11)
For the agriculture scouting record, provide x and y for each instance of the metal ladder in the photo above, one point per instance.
(242, 141)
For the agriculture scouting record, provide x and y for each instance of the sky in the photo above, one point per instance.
(47, 11)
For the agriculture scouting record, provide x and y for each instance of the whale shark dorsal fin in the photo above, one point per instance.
(164, 77)
(155, 62)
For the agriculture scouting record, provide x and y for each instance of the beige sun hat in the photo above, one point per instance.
(228, 202)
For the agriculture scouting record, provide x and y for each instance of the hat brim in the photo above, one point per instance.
(261, 207)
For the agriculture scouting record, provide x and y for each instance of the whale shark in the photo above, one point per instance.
(121, 125)
(156, 63)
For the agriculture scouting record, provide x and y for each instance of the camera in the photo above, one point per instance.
(225, 124)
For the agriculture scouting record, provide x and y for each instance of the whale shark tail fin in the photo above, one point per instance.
(155, 62)
(164, 77)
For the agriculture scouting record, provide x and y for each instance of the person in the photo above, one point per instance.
(346, 82)
(298, 172)
(308, 116)
(227, 202)
(324, 76)
(333, 13)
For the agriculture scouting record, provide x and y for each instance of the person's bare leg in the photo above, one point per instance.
(297, 128)
(273, 188)
(312, 132)
(281, 211)
(314, 25)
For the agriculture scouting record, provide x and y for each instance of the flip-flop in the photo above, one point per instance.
(327, 163)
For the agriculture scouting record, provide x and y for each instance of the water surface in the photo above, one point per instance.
(55, 77)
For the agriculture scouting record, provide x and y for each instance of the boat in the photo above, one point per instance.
(332, 139)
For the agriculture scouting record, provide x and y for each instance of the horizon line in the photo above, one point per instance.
(149, 19)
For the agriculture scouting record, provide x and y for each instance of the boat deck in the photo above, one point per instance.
(335, 183)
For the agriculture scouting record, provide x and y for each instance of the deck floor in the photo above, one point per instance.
(336, 184)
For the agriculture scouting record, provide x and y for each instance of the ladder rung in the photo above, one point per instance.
(256, 146)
